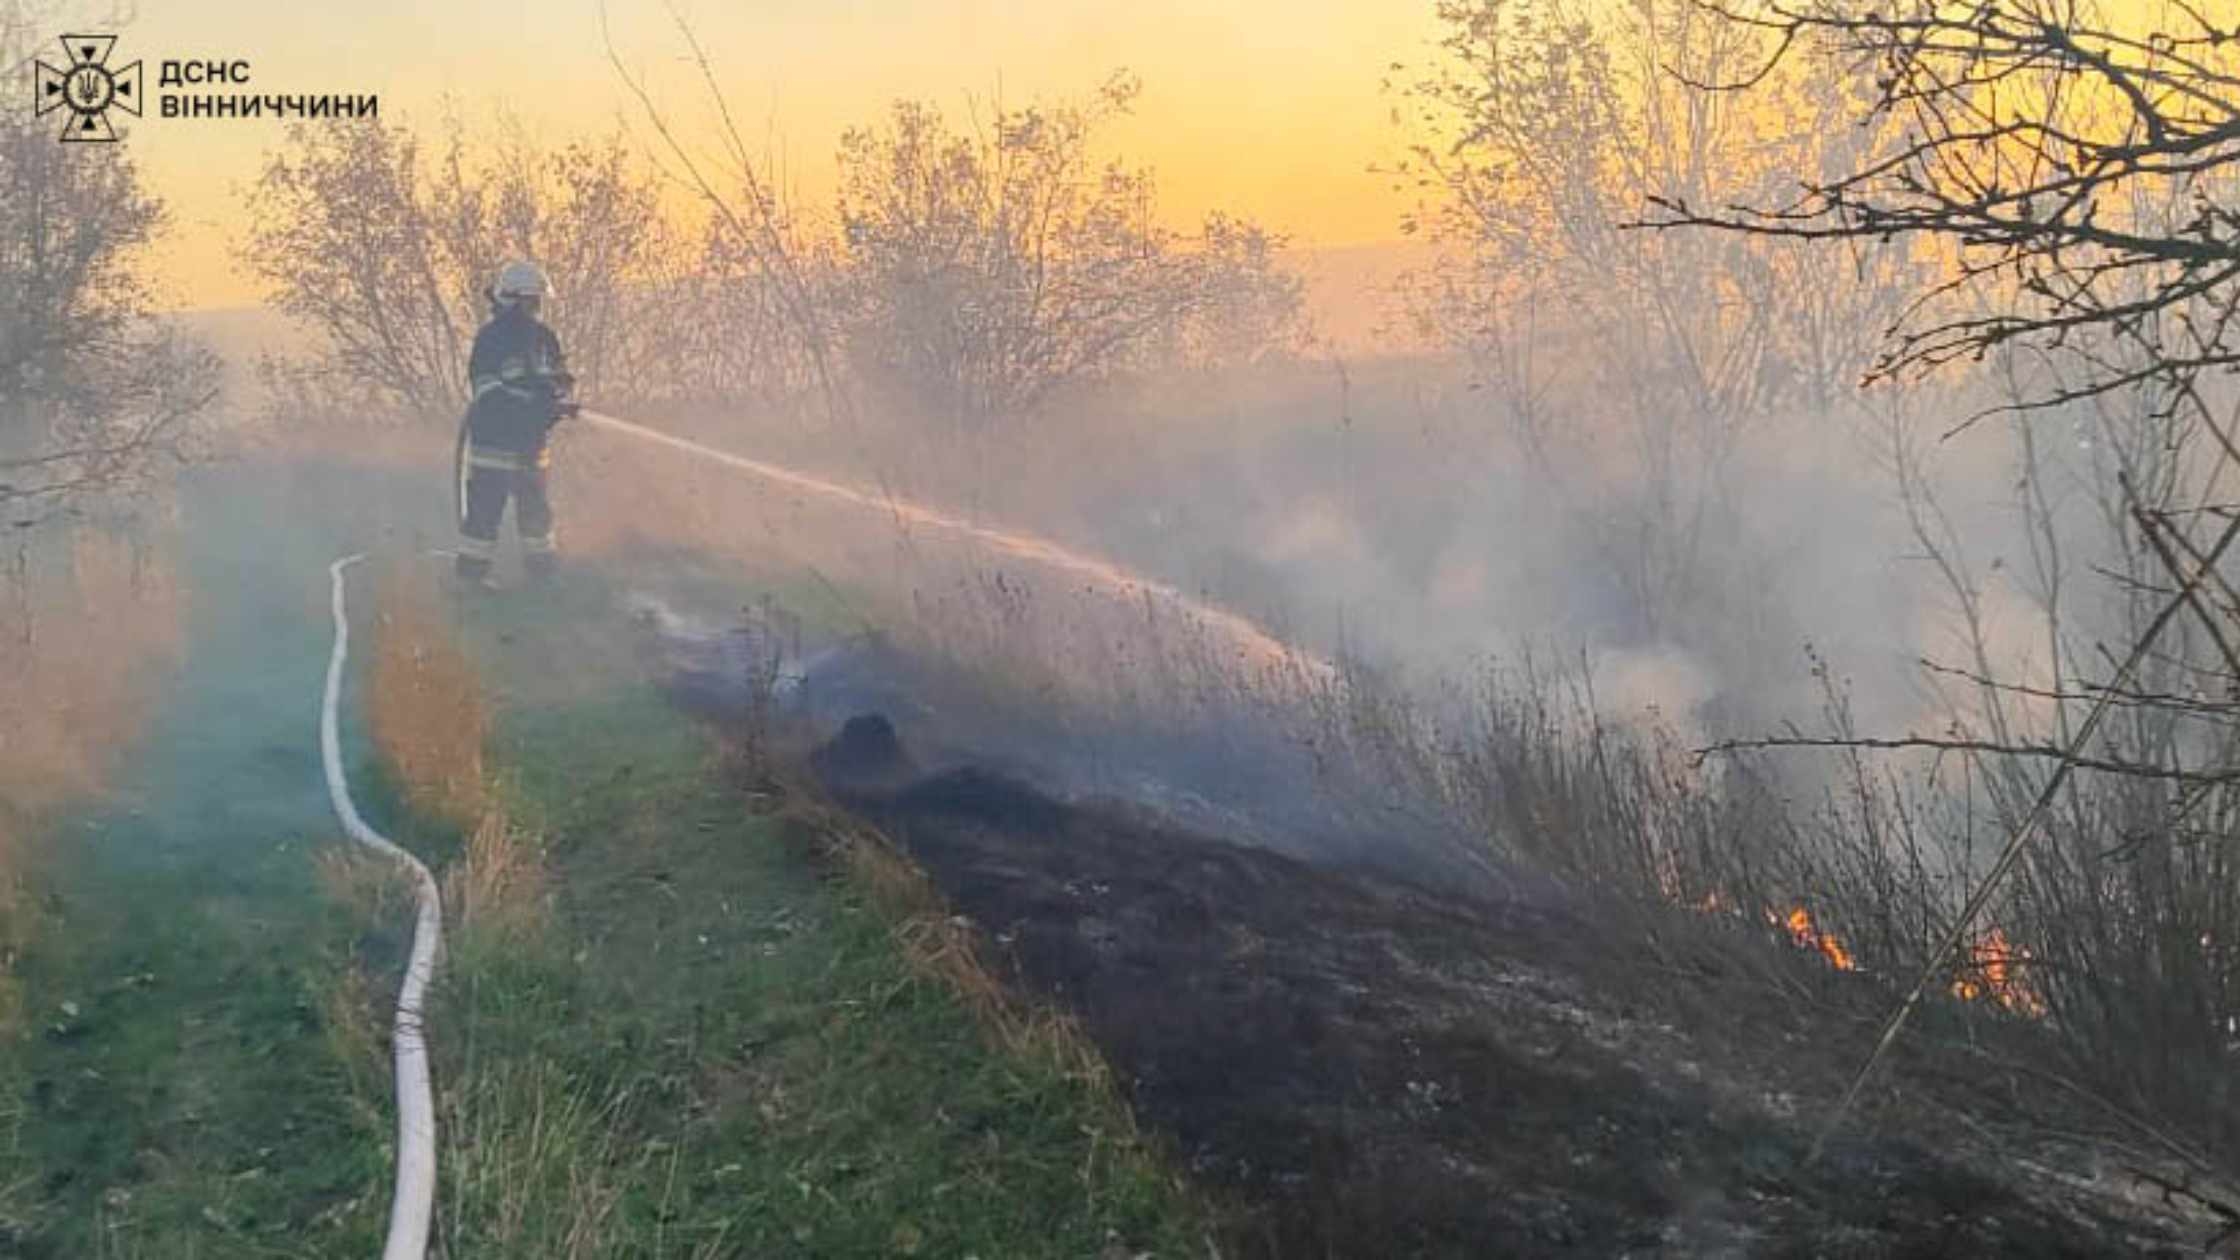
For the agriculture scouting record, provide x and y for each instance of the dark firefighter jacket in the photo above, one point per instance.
(519, 378)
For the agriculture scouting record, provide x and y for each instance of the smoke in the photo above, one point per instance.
(1383, 511)
(1667, 686)
(1393, 519)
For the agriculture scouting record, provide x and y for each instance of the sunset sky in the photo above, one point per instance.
(1269, 108)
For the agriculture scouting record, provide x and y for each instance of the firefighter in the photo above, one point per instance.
(521, 389)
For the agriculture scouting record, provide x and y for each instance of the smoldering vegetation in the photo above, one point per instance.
(1362, 1067)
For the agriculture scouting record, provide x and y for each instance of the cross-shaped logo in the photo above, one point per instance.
(87, 87)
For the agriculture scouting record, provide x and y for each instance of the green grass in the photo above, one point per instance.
(176, 1096)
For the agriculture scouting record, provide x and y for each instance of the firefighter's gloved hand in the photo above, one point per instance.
(562, 386)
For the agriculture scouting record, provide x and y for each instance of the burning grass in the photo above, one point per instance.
(1377, 1070)
(1993, 970)
(1997, 970)
(1860, 868)
(1798, 923)
(2084, 955)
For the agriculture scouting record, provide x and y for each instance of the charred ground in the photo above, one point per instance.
(1364, 1066)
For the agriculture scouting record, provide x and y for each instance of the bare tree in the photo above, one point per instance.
(726, 333)
(589, 212)
(2071, 172)
(985, 271)
(753, 225)
(2073, 167)
(1250, 305)
(343, 232)
(385, 249)
(94, 390)
(388, 256)
(1550, 122)
(979, 272)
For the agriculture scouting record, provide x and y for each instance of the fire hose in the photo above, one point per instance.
(412, 1203)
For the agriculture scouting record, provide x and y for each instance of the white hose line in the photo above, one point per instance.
(413, 1203)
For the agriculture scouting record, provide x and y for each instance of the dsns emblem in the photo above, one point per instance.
(87, 88)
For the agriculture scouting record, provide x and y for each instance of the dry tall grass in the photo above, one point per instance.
(16, 910)
(533, 1162)
(424, 705)
(429, 722)
(2099, 976)
(87, 618)
(84, 615)
(498, 889)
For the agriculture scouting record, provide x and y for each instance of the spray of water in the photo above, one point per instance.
(1102, 575)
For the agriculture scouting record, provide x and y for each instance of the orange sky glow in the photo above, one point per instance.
(1267, 108)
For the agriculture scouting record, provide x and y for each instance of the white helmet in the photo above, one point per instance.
(517, 280)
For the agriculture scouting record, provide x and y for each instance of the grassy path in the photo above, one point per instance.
(176, 1096)
(694, 1042)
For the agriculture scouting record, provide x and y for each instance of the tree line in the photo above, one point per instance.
(965, 273)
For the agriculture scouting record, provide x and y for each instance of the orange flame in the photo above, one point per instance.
(1992, 972)
(1802, 931)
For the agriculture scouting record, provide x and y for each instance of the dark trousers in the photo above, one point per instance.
(488, 478)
